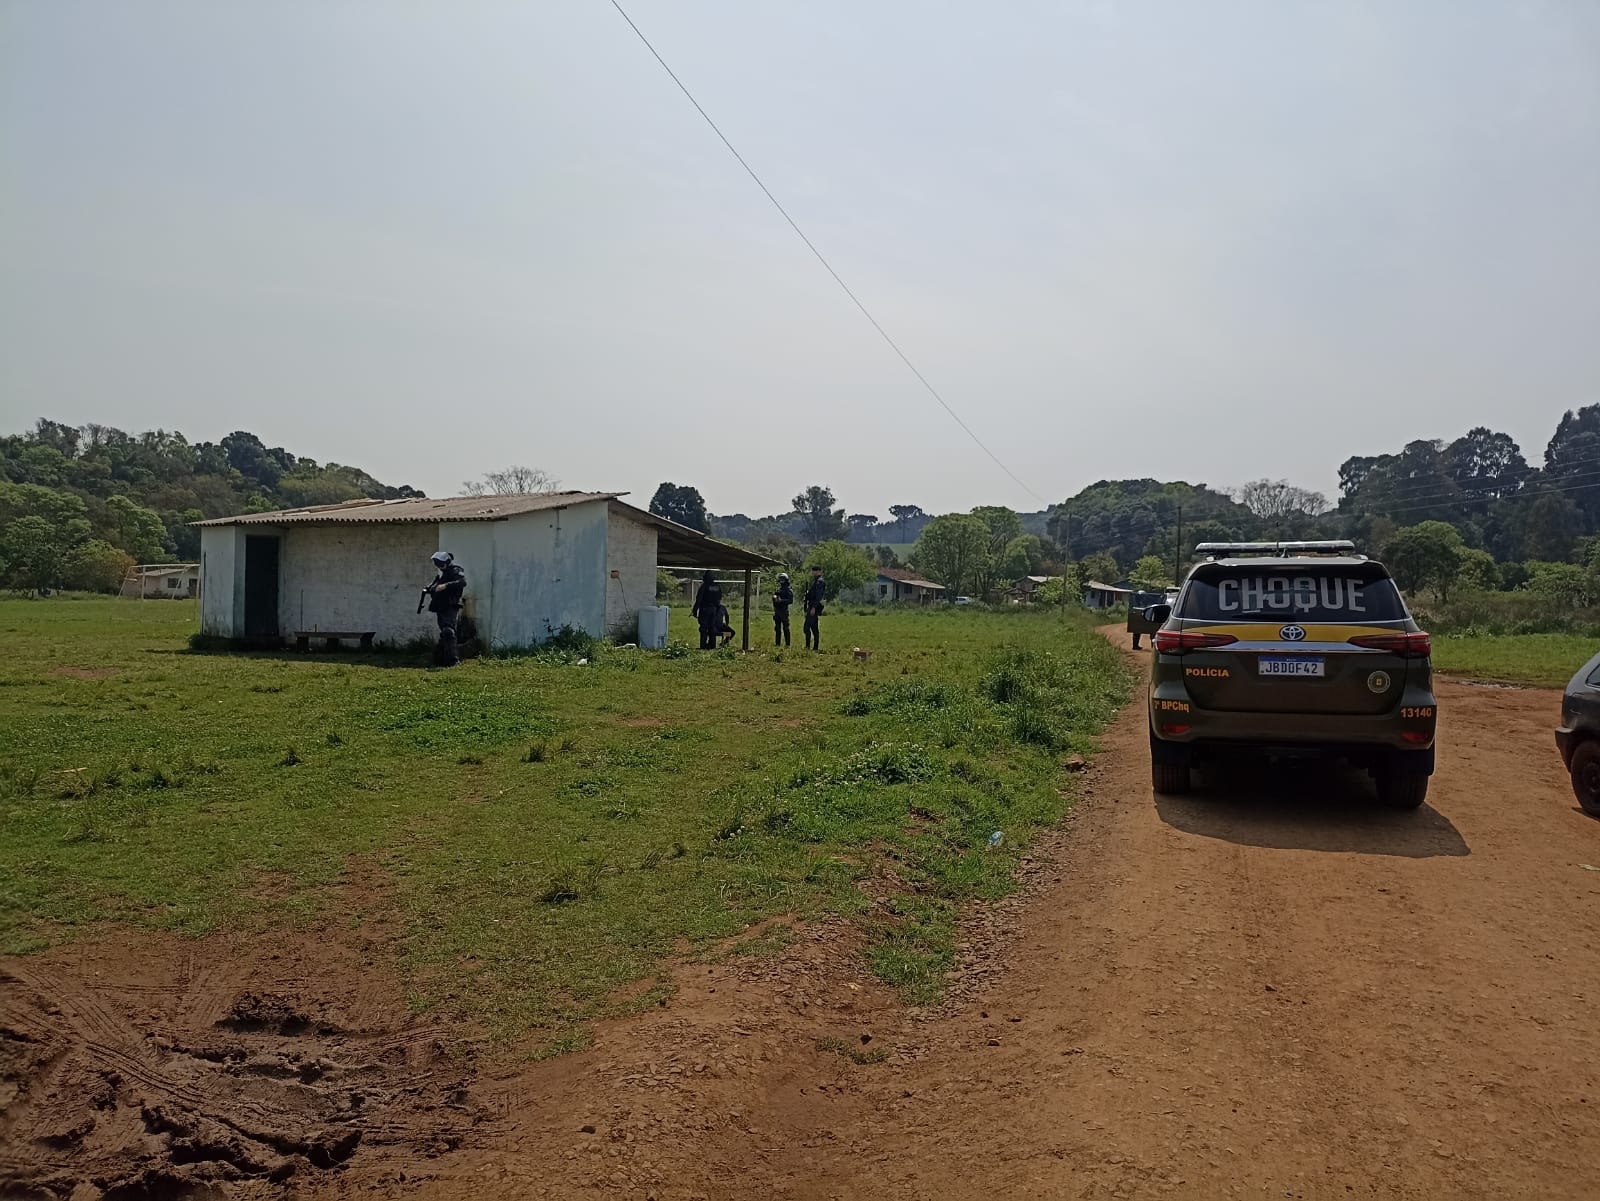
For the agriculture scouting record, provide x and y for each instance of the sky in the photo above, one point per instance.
(1213, 242)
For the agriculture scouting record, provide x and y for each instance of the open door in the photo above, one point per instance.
(261, 587)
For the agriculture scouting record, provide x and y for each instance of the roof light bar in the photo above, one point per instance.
(1332, 546)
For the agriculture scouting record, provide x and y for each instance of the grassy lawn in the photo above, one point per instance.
(1543, 659)
(551, 832)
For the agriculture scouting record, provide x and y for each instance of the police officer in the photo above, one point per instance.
(444, 602)
(781, 600)
(707, 601)
(813, 599)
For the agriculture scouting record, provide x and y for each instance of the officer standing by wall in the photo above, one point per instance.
(444, 602)
(781, 600)
(815, 594)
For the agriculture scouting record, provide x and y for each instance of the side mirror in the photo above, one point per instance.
(1158, 614)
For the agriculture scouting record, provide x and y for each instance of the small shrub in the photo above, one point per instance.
(291, 758)
(537, 753)
(334, 739)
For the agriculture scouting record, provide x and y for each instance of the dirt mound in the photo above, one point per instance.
(170, 1070)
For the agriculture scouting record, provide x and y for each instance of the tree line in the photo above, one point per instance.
(79, 505)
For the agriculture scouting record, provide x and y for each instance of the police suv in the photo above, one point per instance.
(1292, 645)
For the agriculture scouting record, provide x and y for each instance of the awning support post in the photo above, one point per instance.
(747, 609)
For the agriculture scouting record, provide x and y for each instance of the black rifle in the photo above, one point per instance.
(424, 599)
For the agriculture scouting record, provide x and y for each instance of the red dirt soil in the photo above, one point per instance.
(1273, 988)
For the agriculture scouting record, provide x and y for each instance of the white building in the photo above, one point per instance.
(173, 580)
(534, 564)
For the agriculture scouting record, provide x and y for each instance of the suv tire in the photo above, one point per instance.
(1170, 779)
(1402, 789)
(1586, 776)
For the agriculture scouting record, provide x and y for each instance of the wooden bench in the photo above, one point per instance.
(332, 638)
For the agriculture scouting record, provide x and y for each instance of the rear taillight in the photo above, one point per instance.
(1407, 646)
(1175, 642)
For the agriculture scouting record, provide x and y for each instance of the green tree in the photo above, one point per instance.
(1478, 570)
(136, 529)
(683, 504)
(1004, 527)
(819, 520)
(903, 514)
(1150, 574)
(1426, 555)
(844, 567)
(952, 549)
(95, 566)
(1100, 566)
(1023, 556)
(33, 550)
(1554, 524)
(1565, 584)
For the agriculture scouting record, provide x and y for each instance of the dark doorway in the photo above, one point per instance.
(261, 587)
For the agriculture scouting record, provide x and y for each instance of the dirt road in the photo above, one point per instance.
(1273, 989)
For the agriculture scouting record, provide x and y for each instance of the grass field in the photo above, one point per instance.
(550, 832)
(1548, 660)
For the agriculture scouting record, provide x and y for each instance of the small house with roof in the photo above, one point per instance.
(534, 563)
(896, 585)
(171, 580)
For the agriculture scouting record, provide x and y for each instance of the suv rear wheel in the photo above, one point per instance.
(1401, 789)
(1170, 779)
(1586, 776)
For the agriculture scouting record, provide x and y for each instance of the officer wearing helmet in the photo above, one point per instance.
(781, 600)
(444, 602)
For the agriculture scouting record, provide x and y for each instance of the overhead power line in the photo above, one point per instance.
(821, 258)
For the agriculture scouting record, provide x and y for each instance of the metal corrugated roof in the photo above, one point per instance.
(417, 510)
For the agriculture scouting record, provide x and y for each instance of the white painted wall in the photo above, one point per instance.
(549, 571)
(630, 577)
(473, 545)
(221, 581)
(356, 577)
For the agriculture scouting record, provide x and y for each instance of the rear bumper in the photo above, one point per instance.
(1566, 742)
(1408, 727)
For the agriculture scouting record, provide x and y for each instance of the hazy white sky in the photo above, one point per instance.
(1211, 241)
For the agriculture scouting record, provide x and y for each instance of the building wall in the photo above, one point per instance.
(221, 581)
(549, 571)
(473, 545)
(356, 577)
(630, 578)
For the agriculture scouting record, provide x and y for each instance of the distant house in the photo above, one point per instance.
(895, 585)
(534, 564)
(163, 579)
(1104, 596)
(1027, 588)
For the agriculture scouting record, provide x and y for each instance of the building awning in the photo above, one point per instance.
(1097, 586)
(679, 546)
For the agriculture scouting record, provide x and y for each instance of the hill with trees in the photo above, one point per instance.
(80, 504)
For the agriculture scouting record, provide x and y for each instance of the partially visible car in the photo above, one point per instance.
(963, 600)
(1578, 736)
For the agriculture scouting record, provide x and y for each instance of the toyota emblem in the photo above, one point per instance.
(1292, 633)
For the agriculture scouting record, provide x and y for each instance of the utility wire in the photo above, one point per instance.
(811, 246)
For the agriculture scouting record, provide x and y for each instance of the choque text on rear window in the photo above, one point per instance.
(1293, 597)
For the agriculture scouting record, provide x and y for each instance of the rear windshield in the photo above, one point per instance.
(1241, 594)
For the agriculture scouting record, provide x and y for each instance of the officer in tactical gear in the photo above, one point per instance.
(816, 593)
(781, 600)
(444, 602)
(706, 603)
